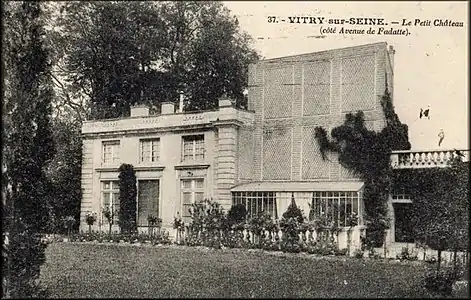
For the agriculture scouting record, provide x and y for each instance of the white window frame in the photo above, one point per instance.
(154, 142)
(193, 190)
(323, 198)
(109, 192)
(115, 147)
(244, 197)
(193, 139)
(401, 198)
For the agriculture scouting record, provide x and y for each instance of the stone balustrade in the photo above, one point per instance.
(407, 159)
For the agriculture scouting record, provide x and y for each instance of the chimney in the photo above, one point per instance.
(391, 56)
(168, 108)
(224, 101)
(139, 110)
(180, 106)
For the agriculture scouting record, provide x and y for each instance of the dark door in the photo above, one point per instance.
(404, 231)
(148, 200)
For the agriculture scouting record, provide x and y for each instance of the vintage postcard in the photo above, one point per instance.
(235, 149)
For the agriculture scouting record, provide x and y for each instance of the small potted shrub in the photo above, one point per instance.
(358, 253)
(109, 214)
(179, 226)
(153, 222)
(90, 218)
(340, 252)
(69, 222)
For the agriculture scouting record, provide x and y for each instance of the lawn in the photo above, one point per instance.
(110, 271)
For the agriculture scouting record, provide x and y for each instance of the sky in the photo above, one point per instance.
(430, 64)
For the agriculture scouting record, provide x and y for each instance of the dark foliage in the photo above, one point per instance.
(127, 198)
(164, 48)
(441, 282)
(65, 173)
(293, 211)
(28, 145)
(237, 213)
(366, 153)
(440, 206)
(290, 224)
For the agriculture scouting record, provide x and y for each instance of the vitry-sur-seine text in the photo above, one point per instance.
(315, 20)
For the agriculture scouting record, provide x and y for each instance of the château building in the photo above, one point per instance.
(262, 157)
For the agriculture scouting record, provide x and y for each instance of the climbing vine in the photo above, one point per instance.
(366, 153)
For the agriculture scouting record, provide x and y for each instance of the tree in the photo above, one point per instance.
(65, 171)
(440, 205)
(127, 198)
(290, 222)
(28, 144)
(120, 53)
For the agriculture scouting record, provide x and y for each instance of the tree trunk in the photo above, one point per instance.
(454, 258)
(385, 248)
(89, 229)
(439, 259)
(349, 240)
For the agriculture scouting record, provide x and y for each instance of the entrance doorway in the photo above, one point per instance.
(404, 229)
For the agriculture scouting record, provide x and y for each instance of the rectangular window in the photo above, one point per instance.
(147, 200)
(256, 202)
(150, 150)
(110, 152)
(337, 207)
(193, 148)
(110, 197)
(192, 191)
(401, 197)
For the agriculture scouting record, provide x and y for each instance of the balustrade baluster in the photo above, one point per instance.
(427, 158)
(437, 158)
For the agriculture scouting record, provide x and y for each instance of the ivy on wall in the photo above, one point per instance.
(440, 204)
(366, 153)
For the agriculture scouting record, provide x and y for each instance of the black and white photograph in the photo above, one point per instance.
(235, 149)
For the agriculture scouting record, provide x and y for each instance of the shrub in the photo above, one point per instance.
(127, 198)
(26, 253)
(68, 222)
(153, 221)
(259, 224)
(237, 214)
(441, 282)
(290, 226)
(208, 218)
(109, 214)
(407, 254)
(90, 219)
(358, 253)
(293, 211)
(339, 252)
(290, 239)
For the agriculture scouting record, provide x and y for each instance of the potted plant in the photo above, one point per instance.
(154, 221)
(90, 218)
(69, 222)
(109, 214)
(178, 225)
(352, 221)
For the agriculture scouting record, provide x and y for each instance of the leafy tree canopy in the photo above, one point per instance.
(121, 53)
